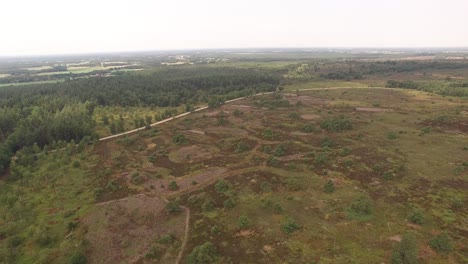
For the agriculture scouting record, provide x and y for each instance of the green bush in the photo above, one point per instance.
(203, 254)
(243, 222)
(267, 133)
(221, 186)
(416, 216)
(277, 208)
(173, 207)
(215, 230)
(78, 258)
(272, 161)
(321, 158)
(290, 226)
(167, 239)
(327, 143)
(179, 139)
(173, 186)
(208, 205)
(329, 187)
(279, 150)
(406, 251)
(392, 135)
(265, 186)
(241, 147)
(388, 175)
(442, 243)
(337, 124)
(295, 116)
(237, 113)
(361, 207)
(229, 203)
(308, 128)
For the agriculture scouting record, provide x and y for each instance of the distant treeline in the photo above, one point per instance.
(44, 114)
(459, 89)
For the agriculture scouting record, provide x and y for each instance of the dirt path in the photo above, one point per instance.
(227, 102)
(186, 235)
(172, 118)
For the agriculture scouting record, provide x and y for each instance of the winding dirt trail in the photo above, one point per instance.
(175, 117)
(186, 235)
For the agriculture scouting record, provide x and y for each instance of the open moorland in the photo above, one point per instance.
(324, 176)
(327, 158)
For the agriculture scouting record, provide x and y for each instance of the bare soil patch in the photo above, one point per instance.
(310, 117)
(199, 132)
(193, 153)
(305, 100)
(226, 131)
(373, 109)
(299, 133)
(448, 125)
(122, 231)
(161, 186)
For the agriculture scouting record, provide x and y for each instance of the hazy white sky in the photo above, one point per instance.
(61, 26)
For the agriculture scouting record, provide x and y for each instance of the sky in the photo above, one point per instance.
(32, 27)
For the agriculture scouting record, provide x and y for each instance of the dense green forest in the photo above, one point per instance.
(45, 114)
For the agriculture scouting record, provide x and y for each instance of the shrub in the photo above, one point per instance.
(321, 158)
(362, 206)
(173, 186)
(308, 128)
(78, 258)
(229, 203)
(241, 147)
(221, 186)
(179, 139)
(290, 226)
(279, 151)
(295, 116)
(277, 208)
(267, 133)
(337, 124)
(153, 253)
(208, 205)
(442, 243)
(152, 158)
(243, 222)
(173, 207)
(237, 113)
(203, 254)
(388, 175)
(329, 187)
(136, 178)
(392, 135)
(327, 143)
(272, 161)
(293, 184)
(406, 251)
(265, 186)
(215, 230)
(167, 239)
(345, 151)
(416, 216)
(76, 164)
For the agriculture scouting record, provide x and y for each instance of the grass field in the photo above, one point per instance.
(28, 83)
(39, 68)
(84, 69)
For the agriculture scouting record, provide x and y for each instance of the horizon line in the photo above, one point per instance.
(94, 53)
